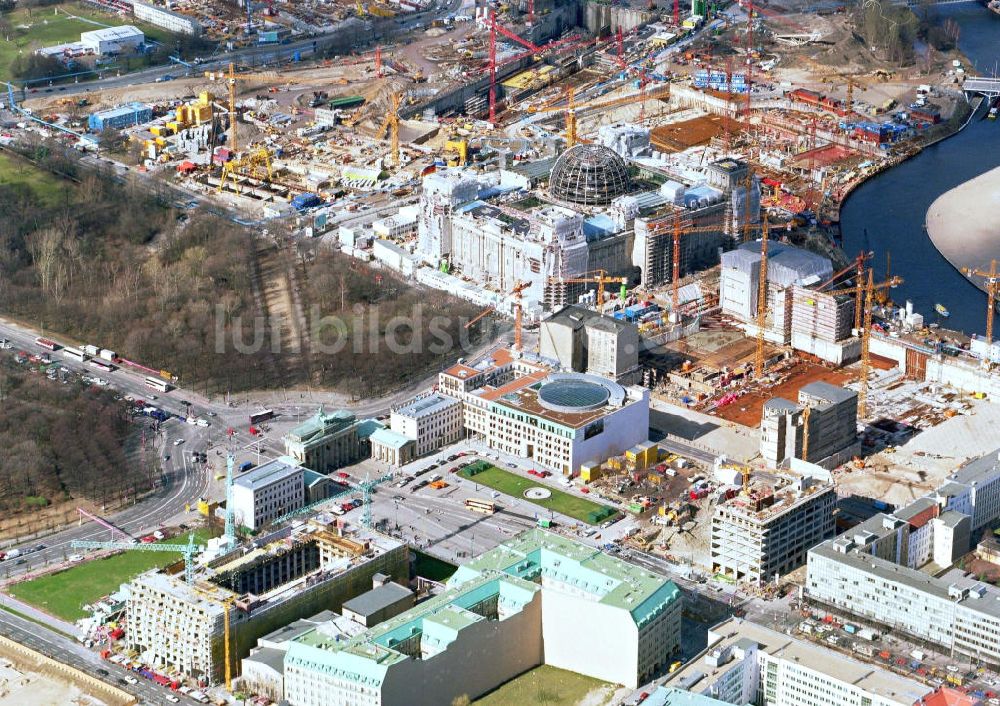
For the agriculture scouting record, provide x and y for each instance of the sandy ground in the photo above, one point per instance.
(20, 688)
(962, 222)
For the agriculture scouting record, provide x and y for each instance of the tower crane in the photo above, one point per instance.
(758, 365)
(188, 551)
(858, 265)
(805, 432)
(866, 331)
(851, 85)
(391, 123)
(231, 77)
(992, 286)
(642, 96)
(480, 316)
(598, 277)
(517, 291)
(367, 488)
(230, 527)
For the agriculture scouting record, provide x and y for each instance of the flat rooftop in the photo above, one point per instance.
(613, 582)
(871, 678)
(426, 406)
(270, 473)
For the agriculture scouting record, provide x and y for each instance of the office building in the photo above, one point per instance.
(822, 325)
(584, 341)
(267, 492)
(560, 421)
(765, 531)
(113, 40)
(787, 266)
(830, 422)
(124, 116)
(431, 421)
(288, 575)
(537, 599)
(167, 19)
(327, 441)
(746, 663)
(828, 414)
(874, 571)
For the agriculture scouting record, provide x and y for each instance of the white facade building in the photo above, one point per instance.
(113, 40)
(536, 599)
(431, 421)
(872, 571)
(268, 492)
(766, 533)
(167, 19)
(746, 663)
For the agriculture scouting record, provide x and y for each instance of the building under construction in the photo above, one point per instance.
(282, 577)
(766, 529)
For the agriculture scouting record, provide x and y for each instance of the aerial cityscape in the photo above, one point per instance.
(499, 353)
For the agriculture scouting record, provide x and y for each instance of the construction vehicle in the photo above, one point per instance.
(992, 285)
(598, 277)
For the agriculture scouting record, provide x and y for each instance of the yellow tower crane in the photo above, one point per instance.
(391, 123)
(598, 277)
(231, 77)
(992, 286)
(866, 331)
(851, 85)
(519, 287)
(805, 433)
(572, 108)
(758, 365)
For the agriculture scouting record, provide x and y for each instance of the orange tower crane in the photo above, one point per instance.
(992, 286)
(518, 313)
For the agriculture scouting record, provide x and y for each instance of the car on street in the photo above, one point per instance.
(131, 680)
(178, 442)
(76, 557)
(173, 699)
(103, 672)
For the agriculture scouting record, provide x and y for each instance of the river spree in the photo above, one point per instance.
(887, 213)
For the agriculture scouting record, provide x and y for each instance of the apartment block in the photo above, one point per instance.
(874, 571)
(288, 576)
(765, 532)
(747, 663)
(268, 492)
(537, 599)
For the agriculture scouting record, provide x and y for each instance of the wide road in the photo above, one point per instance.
(76, 655)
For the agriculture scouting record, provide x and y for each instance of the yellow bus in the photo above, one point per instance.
(487, 507)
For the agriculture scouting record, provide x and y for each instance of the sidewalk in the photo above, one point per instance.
(37, 615)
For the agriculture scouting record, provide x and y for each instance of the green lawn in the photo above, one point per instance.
(512, 484)
(47, 188)
(46, 26)
(546, 686)
(64, 594)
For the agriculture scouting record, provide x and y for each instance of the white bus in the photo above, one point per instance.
(157, 384)
(74, 353)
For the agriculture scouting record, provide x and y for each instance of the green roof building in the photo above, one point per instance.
(538, 599)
